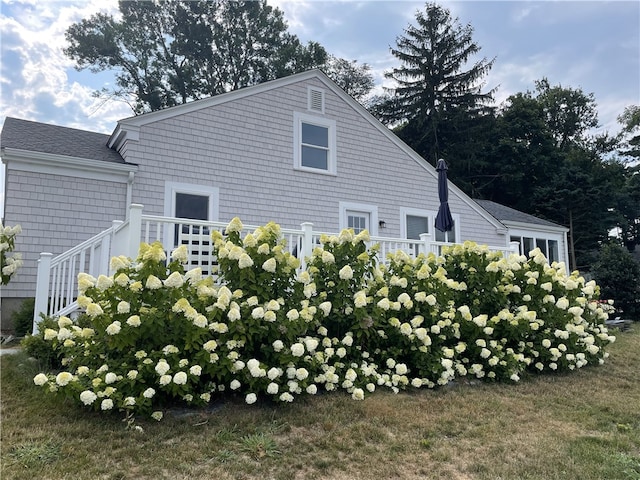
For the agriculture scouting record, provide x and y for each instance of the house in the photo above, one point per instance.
(530, 232)
(296, 149)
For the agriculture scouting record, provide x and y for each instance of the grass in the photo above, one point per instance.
(584, 425)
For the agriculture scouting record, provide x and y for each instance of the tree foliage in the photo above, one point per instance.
(618, 275)
(630, 121)
(354, 79)
(570, 113)
(434, 92)
(168, 52)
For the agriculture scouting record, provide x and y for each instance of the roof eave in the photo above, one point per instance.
(39, 158)
(536, 226)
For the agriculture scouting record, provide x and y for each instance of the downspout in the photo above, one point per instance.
(129, 194)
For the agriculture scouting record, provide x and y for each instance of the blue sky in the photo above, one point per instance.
(590, 45)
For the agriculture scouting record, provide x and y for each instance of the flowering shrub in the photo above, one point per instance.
(153, 334)
(9, 263)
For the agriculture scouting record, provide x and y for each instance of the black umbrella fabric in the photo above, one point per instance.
(444, 221)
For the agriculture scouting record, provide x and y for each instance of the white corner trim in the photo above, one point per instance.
(38, 162)
(120, 135)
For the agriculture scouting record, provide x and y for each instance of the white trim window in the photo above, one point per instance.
(314, 144)
(548, 245)
(195, 202)
(359, 216)
(414, 219)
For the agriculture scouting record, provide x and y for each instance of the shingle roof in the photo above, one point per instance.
(508, 214)
(45, 138)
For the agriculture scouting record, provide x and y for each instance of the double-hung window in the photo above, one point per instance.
(314, 144)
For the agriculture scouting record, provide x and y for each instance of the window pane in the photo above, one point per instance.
(192, 206)
(315, 135)
(195, 207)
(449, 237)
(315, 158)
(553, 251)
(528, 245)
(357, 221)
(541, 243)
(417, 225)
(519, 240)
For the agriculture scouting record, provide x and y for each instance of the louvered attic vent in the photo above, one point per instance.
(316, 100)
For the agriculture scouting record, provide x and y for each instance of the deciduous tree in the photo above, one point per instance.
(168, 52)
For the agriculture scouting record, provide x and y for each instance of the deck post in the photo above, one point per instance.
(134, 229)
(425, 247)
(307, 243)
(42, 288)
(105, 255)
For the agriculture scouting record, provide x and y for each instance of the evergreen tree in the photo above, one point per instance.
(618, 275)
(435, 95)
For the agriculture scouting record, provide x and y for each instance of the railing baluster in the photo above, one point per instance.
(70, 281)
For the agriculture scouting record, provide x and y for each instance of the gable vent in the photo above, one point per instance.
(316, 100)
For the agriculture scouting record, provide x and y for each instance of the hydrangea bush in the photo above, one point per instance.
(9, 262)
(153, 335)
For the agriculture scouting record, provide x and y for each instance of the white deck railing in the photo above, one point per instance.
(57, 280)
(56, 286)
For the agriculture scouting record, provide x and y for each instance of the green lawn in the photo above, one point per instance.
(584, 425)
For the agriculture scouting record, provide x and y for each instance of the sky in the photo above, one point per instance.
(591, 45)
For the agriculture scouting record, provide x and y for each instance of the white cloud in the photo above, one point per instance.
(33, 43)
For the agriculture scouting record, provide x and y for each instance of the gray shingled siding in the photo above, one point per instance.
(56, 213)
(245, 148)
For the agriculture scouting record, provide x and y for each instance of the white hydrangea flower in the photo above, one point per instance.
(174, 280)
(93, 310)
(180, 254)
(251, 398)
(346, 273)
(88, 397)
(104, 282)
(157, 415)
(325, 307)
(297, 349)
(149, 393)
(245, 261)
(180, 378)
(270, 265)
(235, 225)
(153, 282)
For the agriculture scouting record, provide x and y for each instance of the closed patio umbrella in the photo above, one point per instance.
(444, 221)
